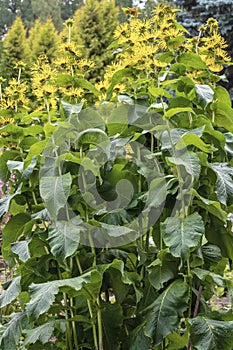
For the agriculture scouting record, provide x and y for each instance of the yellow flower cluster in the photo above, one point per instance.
(210, 45)
(14, 95)
(142, 45)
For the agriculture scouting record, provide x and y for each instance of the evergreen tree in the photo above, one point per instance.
(43, 39)
(94, 24)
(14, 49)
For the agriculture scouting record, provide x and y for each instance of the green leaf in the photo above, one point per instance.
(221, 94)
(224, 184)
(190, 161)
(112, 318)
(159, 92)
(213, 207)
(64, 237)
(5, 201)
(88, 118)
(211, 334)
(163, 315)
(13, 230)
(163, 269)
(177, 341)
(35, 150)
(223, 115)
(157, 193)
(182, 234)
(55, 191)
(138, 339)
(42, 333)
(116, 78)
(194, 140)
(205, 94)
(93, 137)
(85, 84)
(6, 156)
(71, 109)
(43, 294)
(205, 275)
(11, 331)
(192, 60)
(11, 292)
(21, 249)
(173, 111)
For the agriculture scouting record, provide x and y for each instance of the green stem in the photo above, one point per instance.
(100, 327)
(68, 329)
(190, 287)
(48, 110)
(180, 179)
(75, 336)
(93, 325)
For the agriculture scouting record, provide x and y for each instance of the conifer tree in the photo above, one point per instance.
(94, 24)
(43, 39)
(14, 49)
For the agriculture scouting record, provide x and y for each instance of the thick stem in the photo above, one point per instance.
(75, 336)
(100, 327)
(93, 325)
(189, 347)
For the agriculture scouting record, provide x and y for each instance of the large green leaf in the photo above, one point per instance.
(4, 158)
(211, 206)
(204, 93)
(11, 293)
(112, 317)
(13, 230)
(157, 193)
(173, 111)
(21, 249)
(85, 84)
(116, 78)
(138, 339)
(221, 94)
(43, 294)
(205, 275)
(64, 237)
(42, 333)
(11, 331)
(35, 150)
(194, 140)
(190, 161)
(211, 334)
(5, 201)
(71, 108)
(223, 116)
(163, 269)
(182, 234)
(224, 184)
(192, 60)
(55, 190)
(163, 315)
